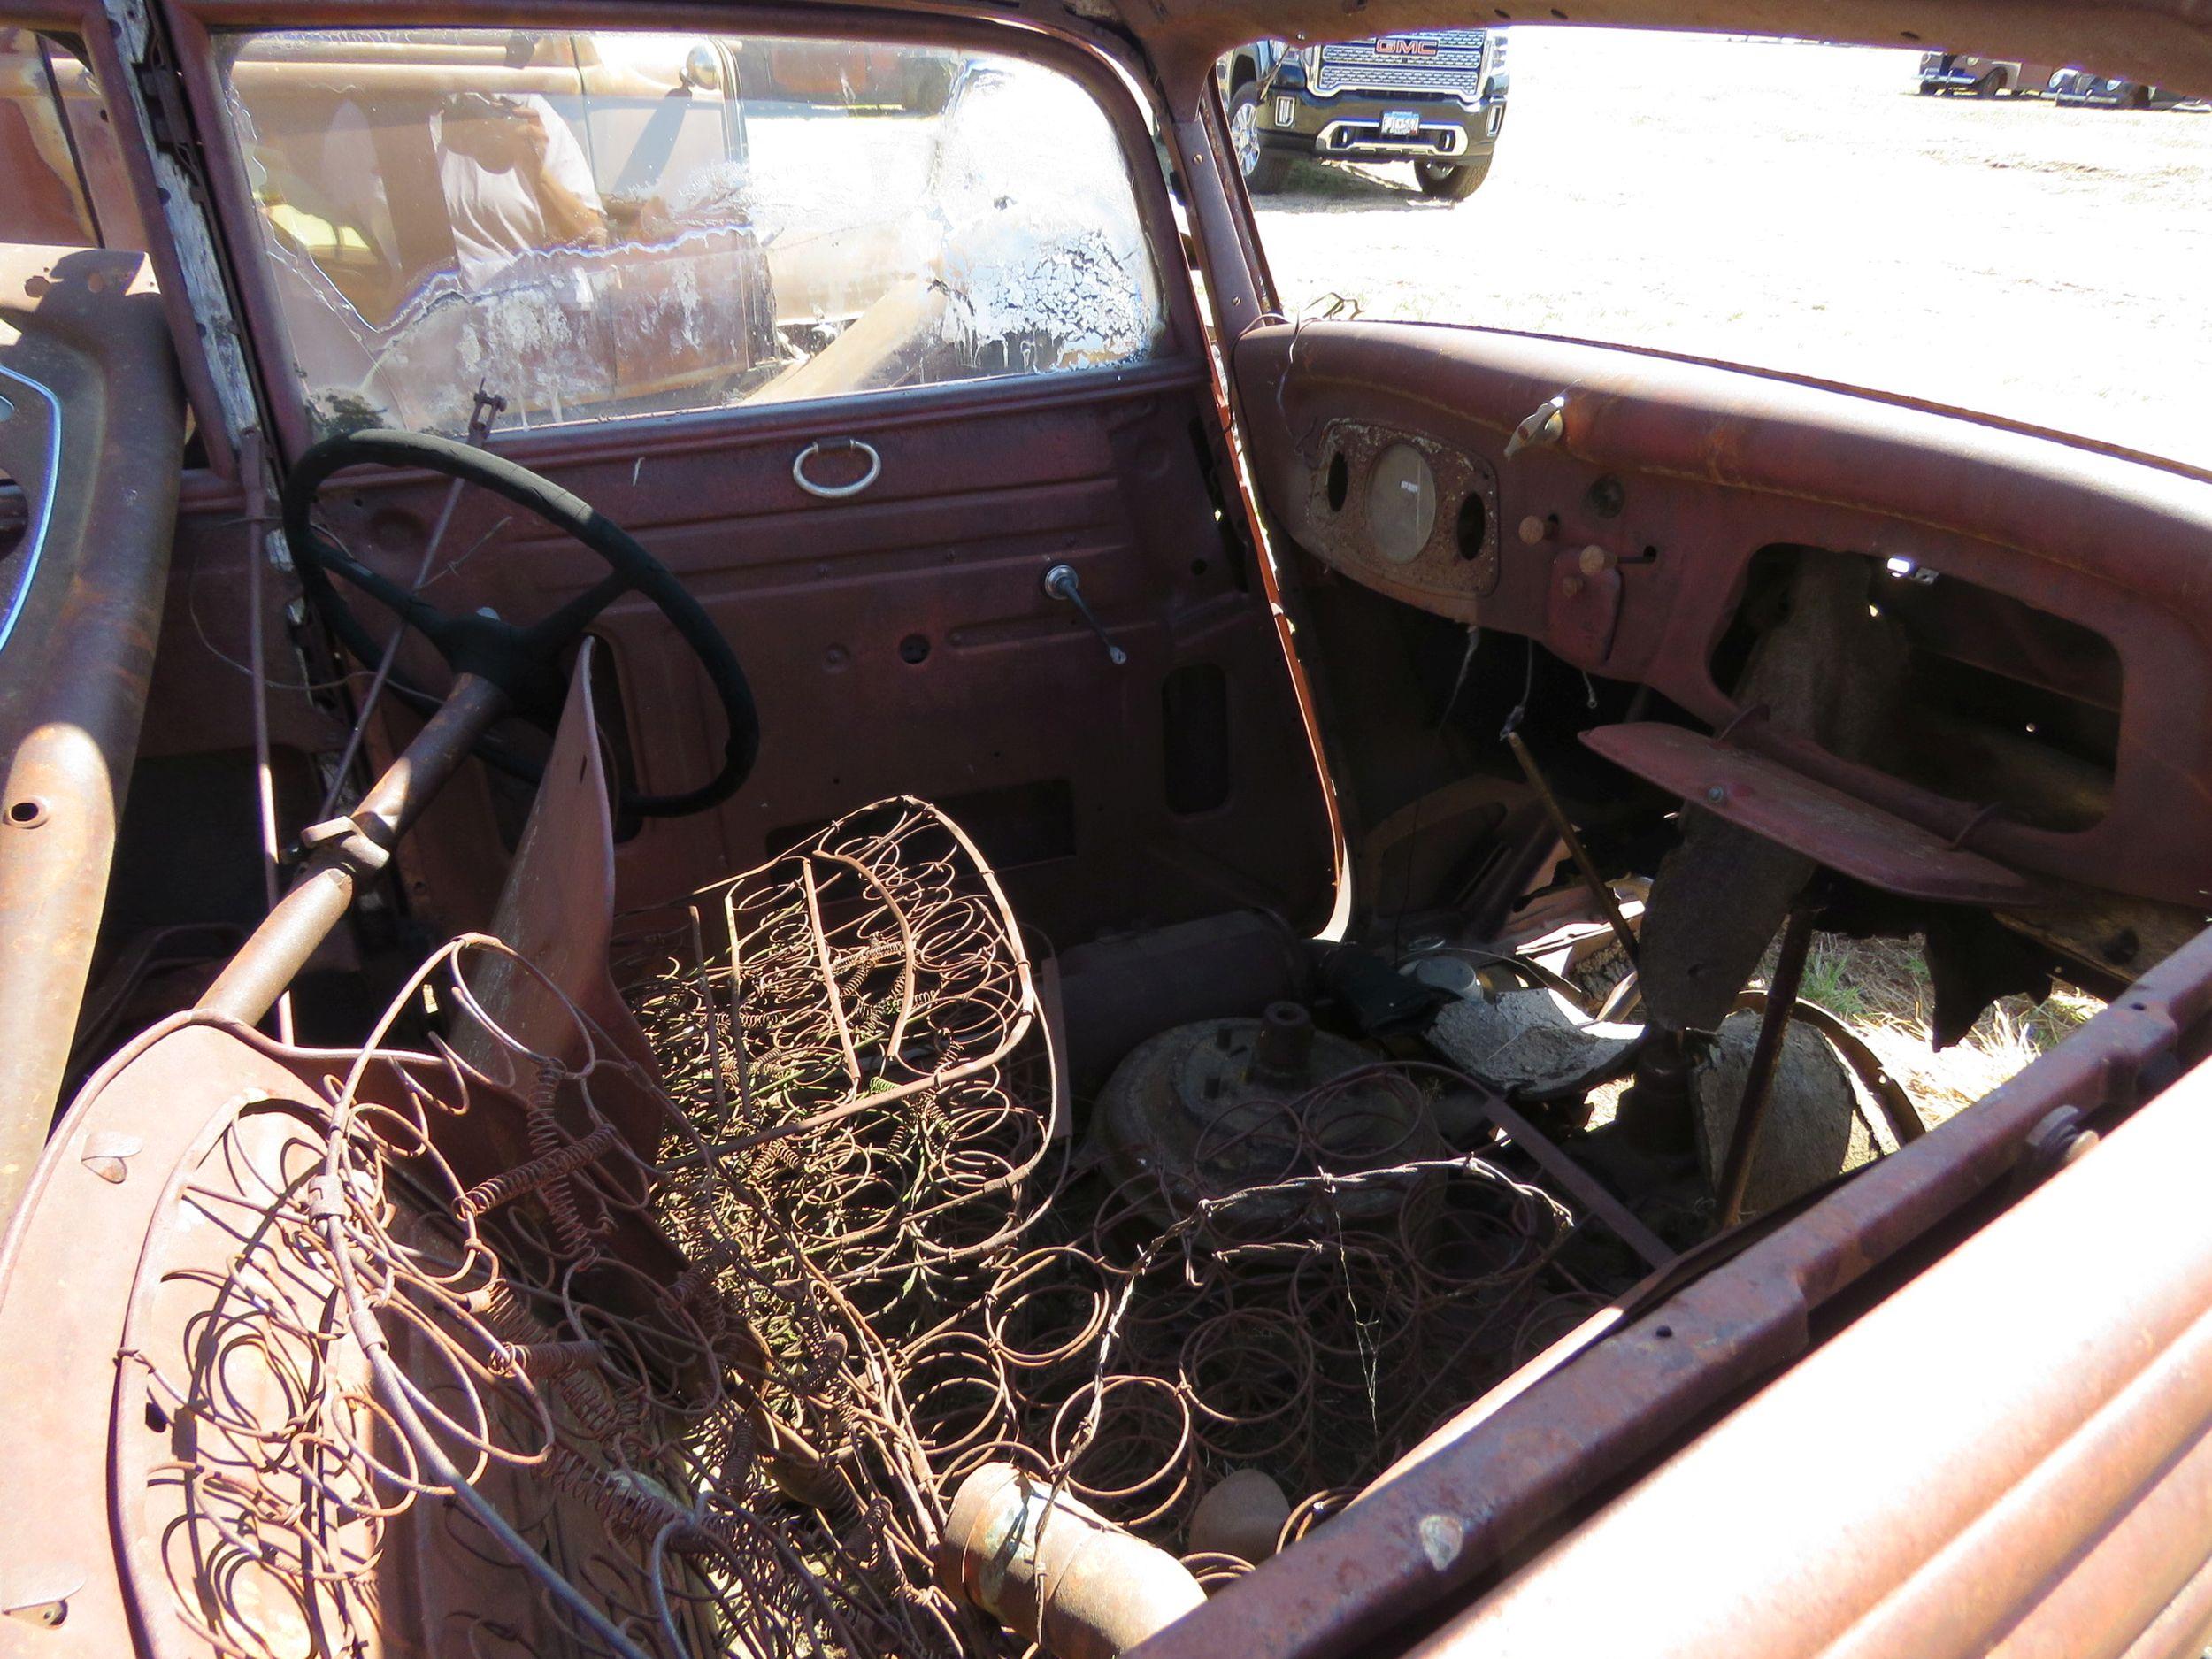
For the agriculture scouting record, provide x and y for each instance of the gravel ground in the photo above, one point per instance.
(1800, 207)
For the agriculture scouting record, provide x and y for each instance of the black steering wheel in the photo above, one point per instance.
(523, 661)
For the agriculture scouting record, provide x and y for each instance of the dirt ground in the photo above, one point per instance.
(1800, 207)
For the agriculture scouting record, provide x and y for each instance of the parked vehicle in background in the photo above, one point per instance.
(1984, 77)
(2078, 87)
(1434, 99)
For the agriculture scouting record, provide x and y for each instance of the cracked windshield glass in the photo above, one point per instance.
(2022, 240)
(619, 224)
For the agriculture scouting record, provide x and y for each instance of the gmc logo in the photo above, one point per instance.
(1405, 48)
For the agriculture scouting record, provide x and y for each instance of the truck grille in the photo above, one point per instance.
(1455, 66)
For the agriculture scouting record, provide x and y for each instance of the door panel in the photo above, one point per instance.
(901, 641)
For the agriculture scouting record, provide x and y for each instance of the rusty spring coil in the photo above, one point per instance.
(892, 1275)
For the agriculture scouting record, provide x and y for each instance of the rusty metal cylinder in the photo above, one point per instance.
(1284, 1049)
(1056, 1570)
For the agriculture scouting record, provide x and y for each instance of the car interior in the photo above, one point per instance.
(775, 887)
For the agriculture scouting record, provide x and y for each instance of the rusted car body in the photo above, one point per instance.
(815, 1018)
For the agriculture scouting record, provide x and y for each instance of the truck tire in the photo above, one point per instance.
(1989, 84)
(1450, 181)
(1264, 169)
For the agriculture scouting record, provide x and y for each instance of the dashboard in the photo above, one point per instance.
(1644, 518)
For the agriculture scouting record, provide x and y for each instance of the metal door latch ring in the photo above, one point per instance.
(836, 492)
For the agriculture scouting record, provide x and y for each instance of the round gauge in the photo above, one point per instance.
(1401, 503)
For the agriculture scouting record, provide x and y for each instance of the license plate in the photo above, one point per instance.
(1400, 123)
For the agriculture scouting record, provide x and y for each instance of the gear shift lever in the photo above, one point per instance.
(1062, 582)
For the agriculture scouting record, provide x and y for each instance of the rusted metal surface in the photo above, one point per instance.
(946, 552)
(94, 435)
(984, 485)
(864, 1106)
(65, 1272)
(1825, 823)
(1758, 1083)
(1054, 1570)
(1448, 1519)
(2076, 1396)
(557, 912)
(268, 962)
(1583, 608)
(1719, 464)
(1601, 894)
(969, 1299)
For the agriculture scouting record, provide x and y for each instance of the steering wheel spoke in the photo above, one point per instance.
(557, 632)
(520, 660)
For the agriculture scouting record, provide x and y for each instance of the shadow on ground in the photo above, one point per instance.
(1315, 187)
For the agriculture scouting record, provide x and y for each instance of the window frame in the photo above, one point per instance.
(283, 398)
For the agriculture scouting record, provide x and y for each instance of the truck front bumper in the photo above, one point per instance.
(1355, 126)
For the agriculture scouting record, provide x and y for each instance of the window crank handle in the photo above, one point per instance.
(1062, 582)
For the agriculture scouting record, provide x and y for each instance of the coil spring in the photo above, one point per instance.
(558, 1192)
(736, 1461)
(553, 1163)
(628, 1509)
(543, 1361)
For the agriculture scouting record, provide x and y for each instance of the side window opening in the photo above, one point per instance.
(46, 201)
(619, 224)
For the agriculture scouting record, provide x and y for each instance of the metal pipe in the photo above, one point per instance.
(1576, 850)
(481, 416)
(1056, 1570)
(1758, 1083)
(260, 513)
(267, 963)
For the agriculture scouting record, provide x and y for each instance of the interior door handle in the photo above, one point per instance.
(832, 446)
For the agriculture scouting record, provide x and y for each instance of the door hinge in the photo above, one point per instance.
(162, 90)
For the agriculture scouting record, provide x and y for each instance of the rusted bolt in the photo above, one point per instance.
(27, 813)
(2052, 1144)
(1534, 530)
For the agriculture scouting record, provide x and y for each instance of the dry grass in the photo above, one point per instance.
(1880, 988)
